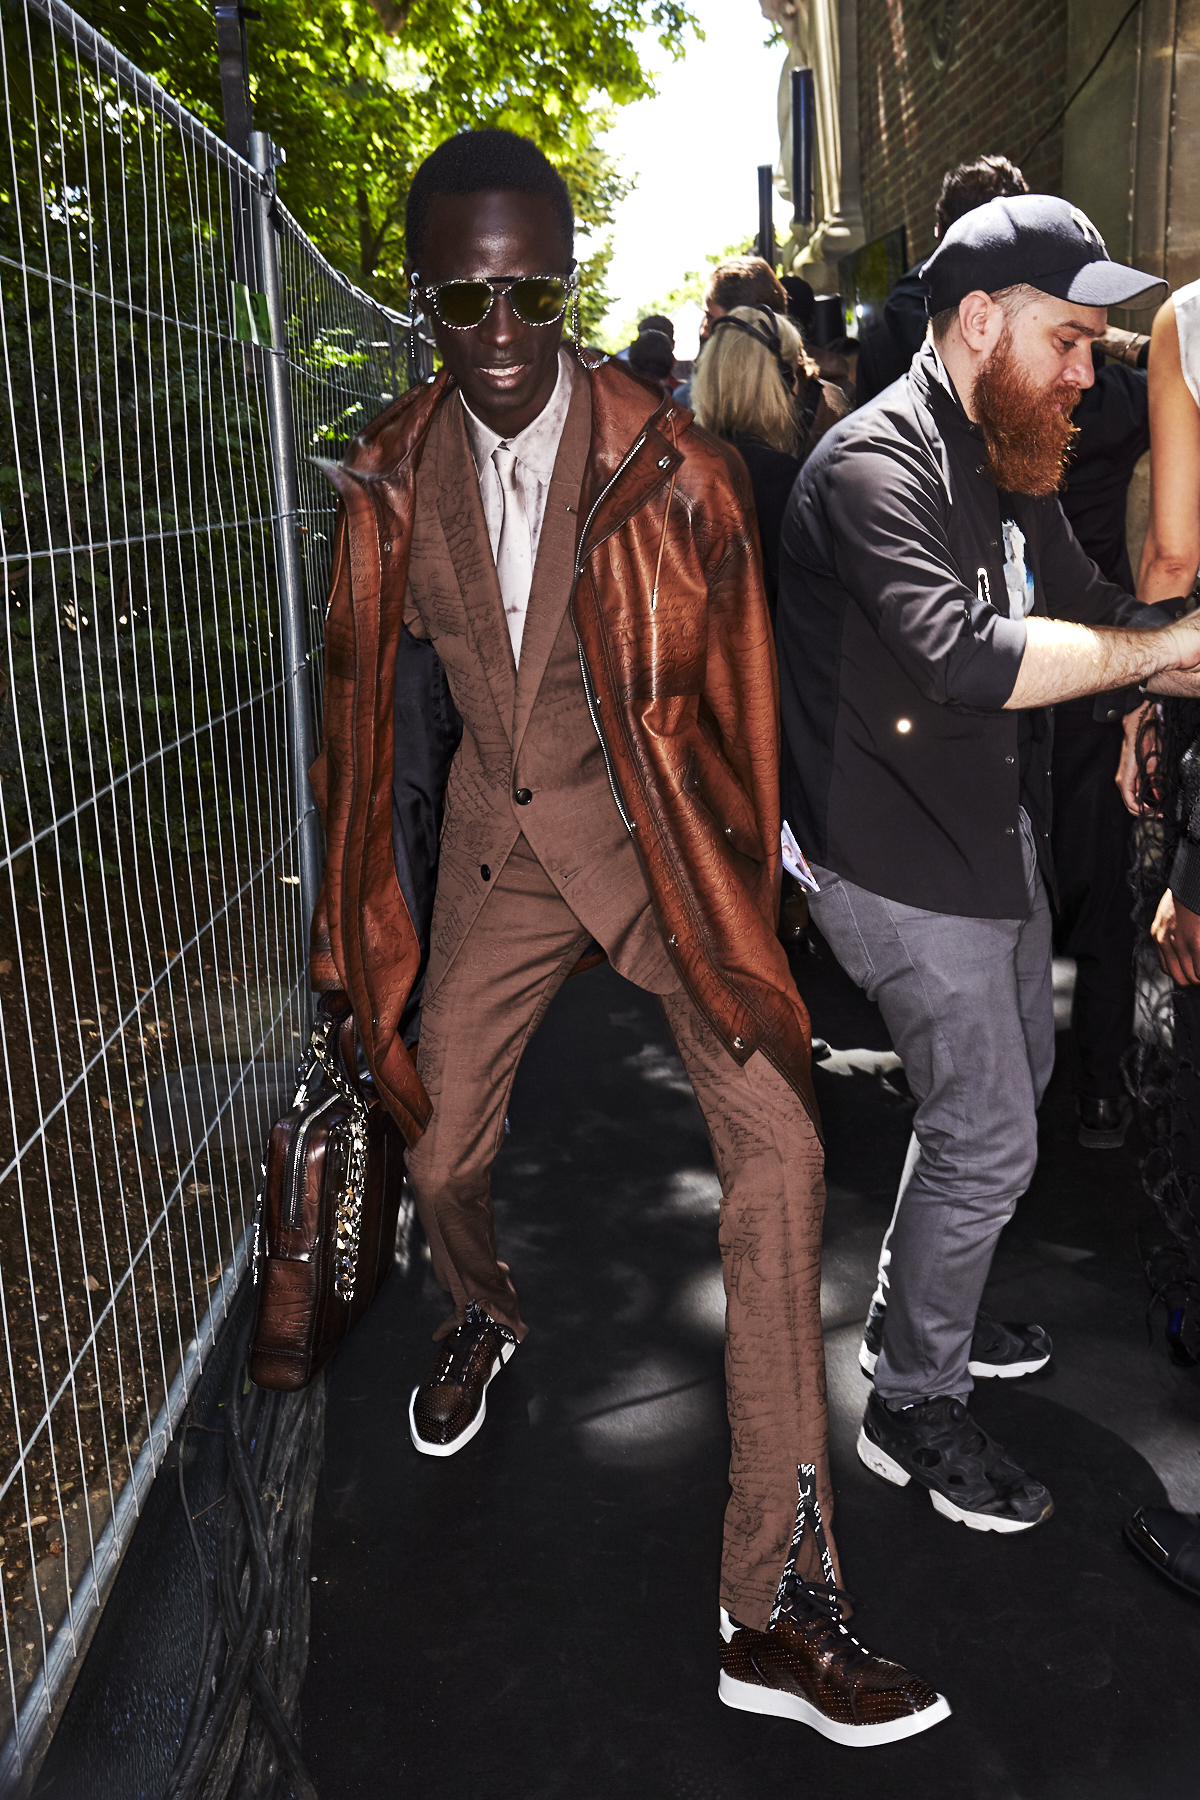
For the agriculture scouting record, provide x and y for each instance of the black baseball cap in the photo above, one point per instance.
(1036, 240)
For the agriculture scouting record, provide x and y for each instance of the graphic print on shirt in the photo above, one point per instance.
(1017, 578)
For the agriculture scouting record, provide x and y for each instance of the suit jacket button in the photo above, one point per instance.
(485, 871)
(523, 796)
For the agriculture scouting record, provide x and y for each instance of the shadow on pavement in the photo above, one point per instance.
(536, 1617)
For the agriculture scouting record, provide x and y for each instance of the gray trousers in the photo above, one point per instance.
(970, 1008)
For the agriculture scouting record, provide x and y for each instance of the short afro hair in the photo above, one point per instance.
(475, 162)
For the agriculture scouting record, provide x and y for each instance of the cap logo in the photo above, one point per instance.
(1088, 229)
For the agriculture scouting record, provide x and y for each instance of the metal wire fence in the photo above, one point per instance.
(174, 349)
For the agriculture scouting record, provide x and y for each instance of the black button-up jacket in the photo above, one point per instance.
(901, 771)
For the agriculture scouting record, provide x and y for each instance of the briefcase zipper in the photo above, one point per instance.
(296, 1160)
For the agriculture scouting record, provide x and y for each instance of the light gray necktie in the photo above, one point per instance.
(514, 559)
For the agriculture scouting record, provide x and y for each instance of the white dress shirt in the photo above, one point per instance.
(535, 450)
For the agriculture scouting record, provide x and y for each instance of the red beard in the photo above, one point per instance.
(1027, 429)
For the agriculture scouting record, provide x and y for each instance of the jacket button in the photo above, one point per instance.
(739, 1043)
(387, 547)
(485, 871)
(663, 461)
(523, 796)
(981, 468)
(1008, 831)
(1010, 759)
(1111, 713)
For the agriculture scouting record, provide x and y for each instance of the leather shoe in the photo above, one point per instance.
(1170, 1542)
(807, 1667)
(450, 1404)
(1103, 1123)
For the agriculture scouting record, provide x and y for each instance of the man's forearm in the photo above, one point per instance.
(1064, 661)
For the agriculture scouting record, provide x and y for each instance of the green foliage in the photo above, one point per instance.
(149, 670)
(358, 92)
(691, 288)
(142, 654)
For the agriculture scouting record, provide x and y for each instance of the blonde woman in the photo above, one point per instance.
(756, 386)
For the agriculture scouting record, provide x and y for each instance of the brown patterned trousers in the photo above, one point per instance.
(478, 1016)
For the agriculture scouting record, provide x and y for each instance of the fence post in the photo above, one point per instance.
(292, 606)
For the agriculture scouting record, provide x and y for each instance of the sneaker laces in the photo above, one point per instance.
(815, 1608)
(464, 1342)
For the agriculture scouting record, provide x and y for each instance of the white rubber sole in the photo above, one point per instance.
(982, 1371)
(747, 1696)
(880, 1463)
(464, 1437)
(1005, 1371)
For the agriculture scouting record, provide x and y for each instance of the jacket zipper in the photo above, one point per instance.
(295, 1161)
(589, 692)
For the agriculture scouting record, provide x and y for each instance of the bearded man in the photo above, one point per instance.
(933, 607)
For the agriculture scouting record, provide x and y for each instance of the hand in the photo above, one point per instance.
(1183, 641)
(1136, 785)
(1176, 931)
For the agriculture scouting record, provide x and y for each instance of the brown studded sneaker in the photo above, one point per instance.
(807, 1666)
(449, 1406)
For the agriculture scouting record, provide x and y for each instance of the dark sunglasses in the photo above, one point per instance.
(535, 299)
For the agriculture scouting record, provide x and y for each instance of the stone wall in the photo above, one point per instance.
(940, 83)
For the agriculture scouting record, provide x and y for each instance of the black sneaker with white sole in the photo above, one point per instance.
(971, 1480)
(1007, 1351)
(1003, 1352)
(872, 1339)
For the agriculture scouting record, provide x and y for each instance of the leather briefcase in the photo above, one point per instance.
(325, 1235)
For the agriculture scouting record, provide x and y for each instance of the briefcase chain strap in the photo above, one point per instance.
(348, 1220)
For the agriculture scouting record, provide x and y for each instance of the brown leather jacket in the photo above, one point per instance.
(679, 672)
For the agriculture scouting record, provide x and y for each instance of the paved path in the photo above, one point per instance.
(536, 1618)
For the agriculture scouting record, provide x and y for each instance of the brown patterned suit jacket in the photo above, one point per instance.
(525, 726)
(674, 661)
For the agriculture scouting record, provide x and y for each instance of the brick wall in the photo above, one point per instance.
(1003, 83)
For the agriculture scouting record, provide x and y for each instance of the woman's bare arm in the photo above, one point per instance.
(1171, 554)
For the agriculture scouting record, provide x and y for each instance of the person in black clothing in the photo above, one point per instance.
(801, 302)
(886, 351)
(652, 354)
(1091, 829)
(652, 322)
(933, 607)
(756, 387)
